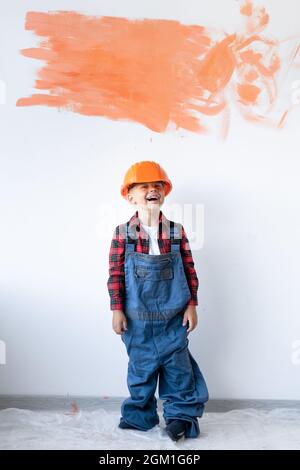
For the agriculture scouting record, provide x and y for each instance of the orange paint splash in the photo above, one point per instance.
(158, 73)
(257, 17)
(144, 71)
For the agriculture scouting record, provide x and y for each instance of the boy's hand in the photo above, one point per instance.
(190, 315)
(119, 322)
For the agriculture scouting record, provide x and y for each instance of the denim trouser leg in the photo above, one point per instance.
(183, 395)
(160, 349)
(181, 384)
(140, 409)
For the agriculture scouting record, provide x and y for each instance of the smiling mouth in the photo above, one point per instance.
(152, 198)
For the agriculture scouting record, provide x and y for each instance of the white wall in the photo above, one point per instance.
(60, 172)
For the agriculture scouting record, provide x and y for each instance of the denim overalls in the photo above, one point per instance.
(157, 294)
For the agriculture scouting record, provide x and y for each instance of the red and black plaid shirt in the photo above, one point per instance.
(116, 280)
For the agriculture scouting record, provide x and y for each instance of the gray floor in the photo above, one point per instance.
(40, 402)
(36, 422)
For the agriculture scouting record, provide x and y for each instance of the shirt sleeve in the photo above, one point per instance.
(188, 263)
(116, 280)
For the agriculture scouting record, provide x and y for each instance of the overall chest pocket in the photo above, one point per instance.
(154, 274)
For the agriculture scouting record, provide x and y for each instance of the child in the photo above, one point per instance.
(153, 290)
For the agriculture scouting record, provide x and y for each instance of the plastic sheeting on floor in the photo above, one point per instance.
(76, 429)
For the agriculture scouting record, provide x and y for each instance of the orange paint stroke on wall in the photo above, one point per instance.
(154, 72)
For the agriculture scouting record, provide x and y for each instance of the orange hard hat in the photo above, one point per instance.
(145, 172)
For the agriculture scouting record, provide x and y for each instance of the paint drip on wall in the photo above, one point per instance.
(159, 73)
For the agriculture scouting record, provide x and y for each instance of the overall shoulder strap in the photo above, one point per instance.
(174, 237)
(129, 242)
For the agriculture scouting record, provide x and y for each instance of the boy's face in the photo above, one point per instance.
(148, 195)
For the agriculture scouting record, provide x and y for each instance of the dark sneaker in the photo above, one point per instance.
(176, 429)
(124, 425)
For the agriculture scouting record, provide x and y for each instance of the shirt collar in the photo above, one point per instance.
(136, 230)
